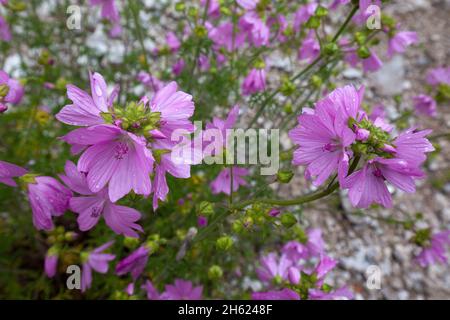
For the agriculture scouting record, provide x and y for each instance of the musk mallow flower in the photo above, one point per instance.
(273, 268)
(323, 135)
(222, 36)
(310, 48)
(150, 81)
(134, 263)
(91, 206)
(367, 185)
(314, 246)
(172, 41)
(115, 158)
(48, 197)
(51, 262)
(182, 290)
(247, 4)
(400, 41)
(213, 8)
(425, 105)
(303, 14)
(178, 66)
(254, 82)
(369, 64)
(86, 109)
(434, 250)
(438, 76)
(222, 183)
(8, 171)
(11, 91)
(283, 294)
(165, 163)
(5, 32)
(95, 260)
(256, 30)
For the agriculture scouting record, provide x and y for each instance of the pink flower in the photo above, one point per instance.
(9, 171)
(15, 89)
(248, 4)
(113, 157)
(438, 76)
(371, 64)
(222, 183)
(401, 40)
(273, 267)
(325, 265)
(182, 290)
(284, 294)
(178, 67)
(166, 164)
(323, 136)
(303, 14)
(314, 247)
(48, 198)
(339, 294)
(435, 251)
(91, 206)
(85, 109)
(203, 62)
(152, 292)
(222, 37)
(150, 81)
(412, 146)
(172, 42)
(202, 221)
(109, 9)
(134, 263)
(337, 3)
(5, 33)
(254, 82)
(425, 105)
(213, 8)
(51, 262)
(310, 48)
(367, 185)
(256, 30)
(96, 260)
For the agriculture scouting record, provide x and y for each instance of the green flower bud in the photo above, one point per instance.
(288, 220)
(225, 11)
(288, 108)
(363, 52)
(130, 242)
(286, 155)
(321, 12)
(360, 38)
(70, 236)
(422, 237)
(200, 31)
(215, 272)
(237, 226)
(205, 208)
(287, 87)
(193, 12)
(330, 48)
(180, 6)
(313, 23)
(316, 81)
(224, 243)
(284, 176)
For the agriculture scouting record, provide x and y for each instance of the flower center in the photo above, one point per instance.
(95, 212)
(120, 150)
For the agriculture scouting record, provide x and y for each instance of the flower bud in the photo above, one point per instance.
(224, 243)
(363, 52)
(330, 48)
(288, 220)
(130, 242)
(215, 272)
(313, 23)
(284, 176)
(321, 12)
(205, 208)
(180, 6)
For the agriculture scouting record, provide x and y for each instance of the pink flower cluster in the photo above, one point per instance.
(339, 130)
(300, 271)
